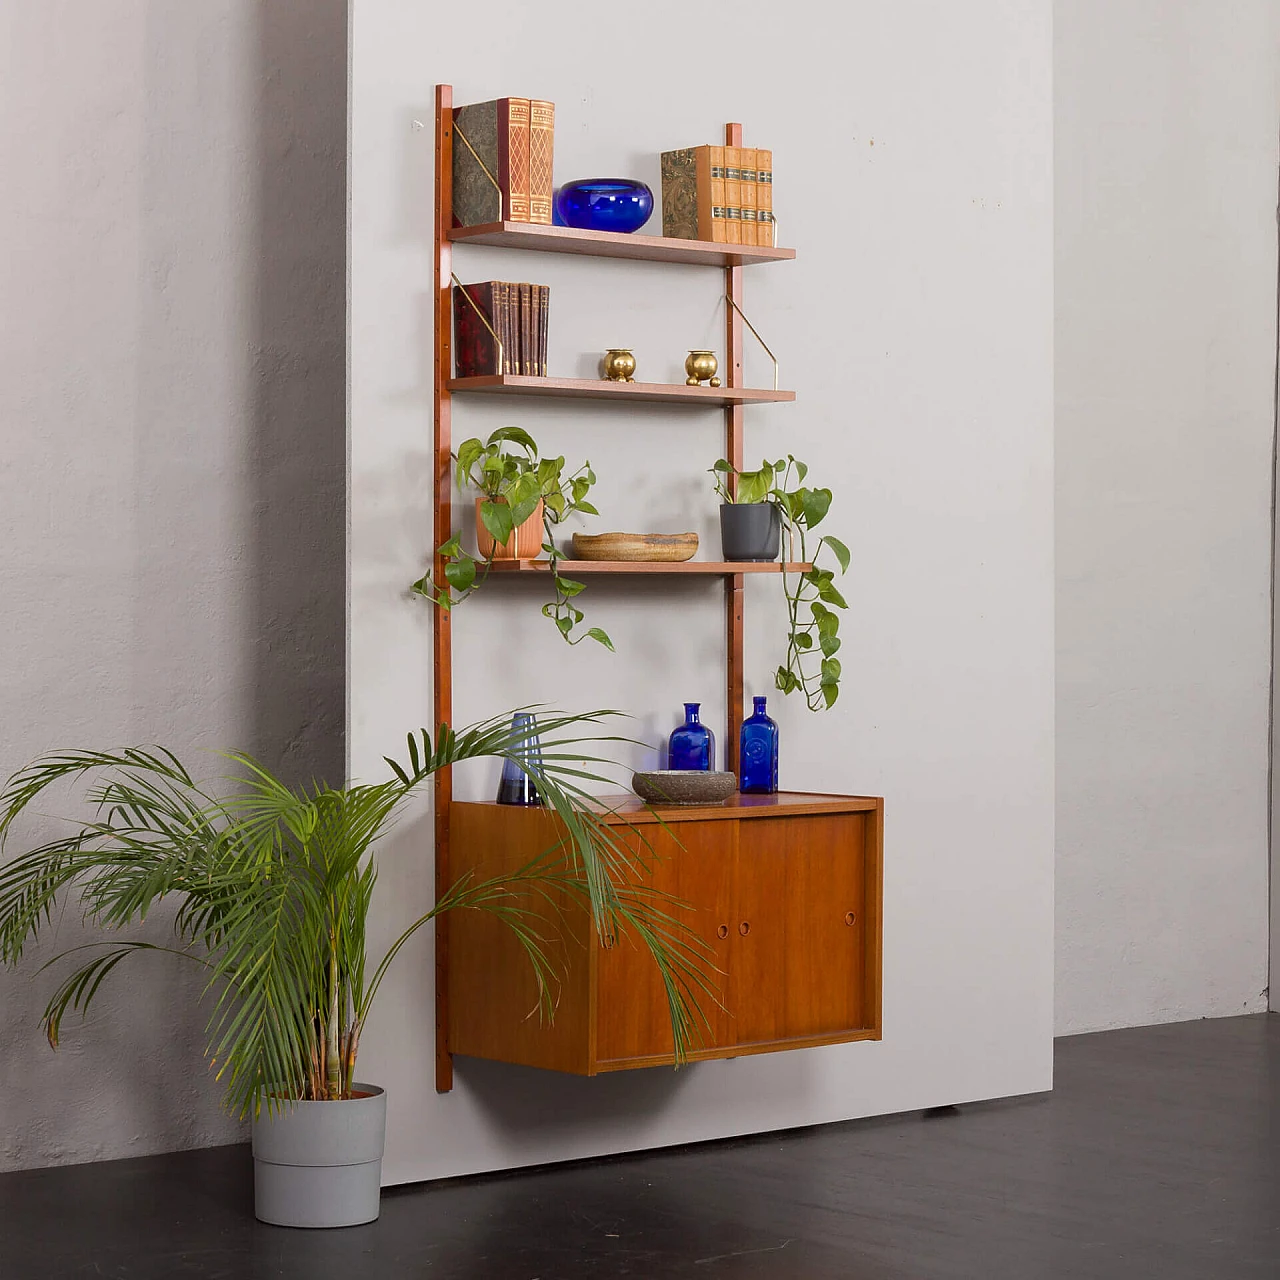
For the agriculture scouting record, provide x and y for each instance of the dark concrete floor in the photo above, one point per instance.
(1158, 1155)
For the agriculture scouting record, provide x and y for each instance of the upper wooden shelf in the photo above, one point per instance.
(612, 244)
(510, 384)
(722, 567)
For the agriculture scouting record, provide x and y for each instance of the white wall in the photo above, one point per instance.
(171, 406)
(913, 157)
(1166, 178)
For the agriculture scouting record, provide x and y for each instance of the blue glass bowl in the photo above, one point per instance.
(604, 204)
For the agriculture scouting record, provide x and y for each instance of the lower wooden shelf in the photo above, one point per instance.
(785, 890)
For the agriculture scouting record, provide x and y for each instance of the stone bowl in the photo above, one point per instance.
(684, 786)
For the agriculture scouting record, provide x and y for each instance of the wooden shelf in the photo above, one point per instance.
(509, 384)
(723, 568)
(611, 244)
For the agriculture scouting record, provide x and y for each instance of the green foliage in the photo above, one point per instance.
(273, 886)
(511, 478)
(813, 634)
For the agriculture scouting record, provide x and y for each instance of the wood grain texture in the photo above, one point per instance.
(510, 384)
(778, 886)
(733, 568)
(442, 525)
(493, 993)
(612, 244)
(693, 862)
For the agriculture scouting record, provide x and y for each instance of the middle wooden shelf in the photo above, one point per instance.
(570, 568)
(511, 384)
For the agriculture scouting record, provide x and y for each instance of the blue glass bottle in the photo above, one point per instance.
(759, 752)
(516, 787)
(692, 745)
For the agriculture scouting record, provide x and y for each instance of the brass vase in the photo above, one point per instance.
(619, 365)
(701, 366)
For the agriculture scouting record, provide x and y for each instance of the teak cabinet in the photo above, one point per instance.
(784, 889)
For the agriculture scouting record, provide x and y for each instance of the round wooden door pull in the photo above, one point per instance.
(745, 928)
(722, 931)
(850, 918)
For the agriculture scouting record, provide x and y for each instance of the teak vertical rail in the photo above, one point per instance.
(442, 640)
(733, 419)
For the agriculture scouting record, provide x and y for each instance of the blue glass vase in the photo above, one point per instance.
(604, 204)
(758, 754)
(692, 745)
(516, 787)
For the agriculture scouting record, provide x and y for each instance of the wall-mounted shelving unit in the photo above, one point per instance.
(786, 888)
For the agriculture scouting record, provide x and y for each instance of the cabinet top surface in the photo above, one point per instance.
(631, 809)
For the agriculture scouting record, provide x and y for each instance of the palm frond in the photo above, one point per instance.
(274, 883)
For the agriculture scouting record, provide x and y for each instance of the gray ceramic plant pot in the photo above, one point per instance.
(319, 1164)
(750, 531)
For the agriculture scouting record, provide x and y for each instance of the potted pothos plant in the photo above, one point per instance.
(272, 885)
(522, 498)
(759, 509)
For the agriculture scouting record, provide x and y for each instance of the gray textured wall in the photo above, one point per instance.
(172, 406)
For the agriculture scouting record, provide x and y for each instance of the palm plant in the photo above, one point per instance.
(274, 885)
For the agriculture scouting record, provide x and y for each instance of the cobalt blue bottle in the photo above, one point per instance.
(758, 754)
(692, 745)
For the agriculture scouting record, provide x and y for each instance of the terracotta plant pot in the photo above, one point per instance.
(525, 543)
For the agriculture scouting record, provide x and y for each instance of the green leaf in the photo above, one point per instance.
(815, 503)
(830, 670)
(565, 625)
(829, 643)
(496, 518)
(803, 640)
(801, 470)
(586, 509)
(517, 436)
(830, 693)
(568, 586)
(468, 452)
(828, 592)
(841, 551)
(460, 573)
(597, 634)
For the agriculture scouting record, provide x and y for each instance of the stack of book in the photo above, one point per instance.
(718, 193)
(502, 161)
(513, 314)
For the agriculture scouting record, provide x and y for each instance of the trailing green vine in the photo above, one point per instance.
(813, 632)
(511, 482)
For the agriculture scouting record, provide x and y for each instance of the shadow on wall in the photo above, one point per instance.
(566, 1102)
(298, 454)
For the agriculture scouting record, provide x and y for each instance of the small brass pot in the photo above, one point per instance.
(701, 366)
(619, 365)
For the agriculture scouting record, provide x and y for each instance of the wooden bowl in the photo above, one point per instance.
(684, 786)
(667, 547)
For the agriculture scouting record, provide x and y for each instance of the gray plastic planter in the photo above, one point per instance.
(750, 530)
(319, 1164)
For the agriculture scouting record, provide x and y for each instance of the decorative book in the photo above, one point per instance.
(498, 311)
(724, 194)
(542, 123)
(494, 154)
(694, 203)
